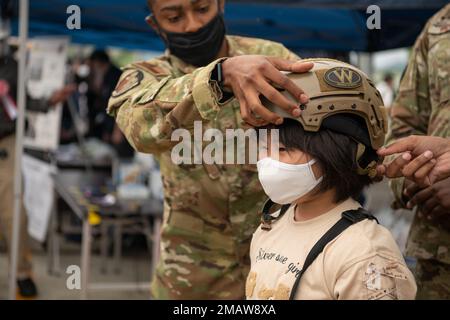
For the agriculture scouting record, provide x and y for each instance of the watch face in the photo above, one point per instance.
(219, 72)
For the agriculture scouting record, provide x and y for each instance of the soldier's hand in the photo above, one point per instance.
(433, 201)
(416, 169)
(250, 76)
(418, 146)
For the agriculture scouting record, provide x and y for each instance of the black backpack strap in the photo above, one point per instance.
(267, 218)
(349, 218)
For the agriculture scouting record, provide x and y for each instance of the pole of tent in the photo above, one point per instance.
(21, 96)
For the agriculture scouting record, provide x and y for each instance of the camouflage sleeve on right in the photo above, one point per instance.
(422, 104)
(149, 104)
(411, 109)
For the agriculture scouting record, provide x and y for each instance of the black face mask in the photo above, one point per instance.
(200, 47)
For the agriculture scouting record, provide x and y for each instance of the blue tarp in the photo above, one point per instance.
(301, 25)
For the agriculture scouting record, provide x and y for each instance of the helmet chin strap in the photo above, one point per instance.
(371, 168)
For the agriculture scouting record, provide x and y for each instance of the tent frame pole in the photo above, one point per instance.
(20, 122)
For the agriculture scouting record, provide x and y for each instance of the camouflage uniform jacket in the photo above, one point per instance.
(210, 211)
(422, 107)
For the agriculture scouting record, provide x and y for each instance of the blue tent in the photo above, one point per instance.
(338, 25)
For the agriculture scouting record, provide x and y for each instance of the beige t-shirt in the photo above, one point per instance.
(363, 262)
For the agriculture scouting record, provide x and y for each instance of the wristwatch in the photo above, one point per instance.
(217, 76)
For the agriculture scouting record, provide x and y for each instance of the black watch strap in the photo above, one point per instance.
(217, 75)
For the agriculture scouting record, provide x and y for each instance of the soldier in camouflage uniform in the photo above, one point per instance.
(422, 107)
(210, 211)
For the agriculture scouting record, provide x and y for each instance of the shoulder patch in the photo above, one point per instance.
(342, 77)
(130, 81)
(439, 27)
(153, 68)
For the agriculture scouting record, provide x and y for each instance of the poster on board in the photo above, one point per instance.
(46, 73)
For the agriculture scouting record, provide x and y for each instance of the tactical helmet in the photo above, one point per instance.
(343, 99)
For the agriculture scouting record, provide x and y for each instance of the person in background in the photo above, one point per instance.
(422, 107)
(386, 88)
(103, 77)
(8, 115)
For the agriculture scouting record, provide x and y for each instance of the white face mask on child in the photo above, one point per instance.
(284, 182)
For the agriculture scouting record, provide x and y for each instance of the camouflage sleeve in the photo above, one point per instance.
(149, 107)
(263, 47)
(423, 101)
(411, 109)
(288, 55)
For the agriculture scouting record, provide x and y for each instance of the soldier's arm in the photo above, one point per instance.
(411, 108)
(148, 106)
(44, 104)
(289, 55)
(281, 51)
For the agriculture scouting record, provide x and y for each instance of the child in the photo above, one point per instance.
(321, 244)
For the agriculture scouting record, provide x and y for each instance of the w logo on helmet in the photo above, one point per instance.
(342, 77)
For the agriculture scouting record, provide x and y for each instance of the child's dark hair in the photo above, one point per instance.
(335, 153)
